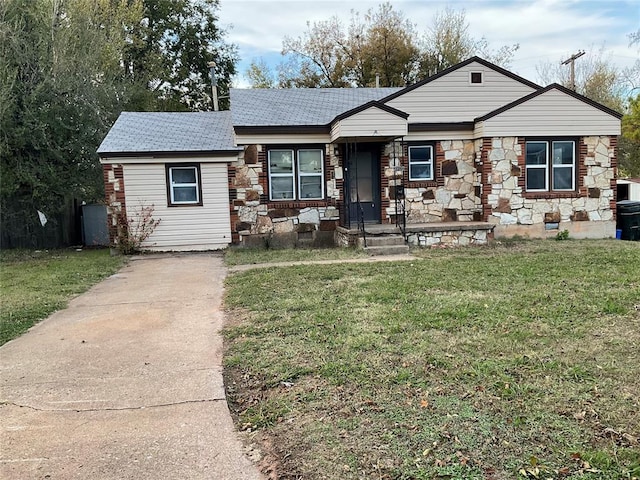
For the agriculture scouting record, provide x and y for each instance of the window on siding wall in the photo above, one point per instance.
(421, 163)
(296, 174)
(550, 165)
(183, 185)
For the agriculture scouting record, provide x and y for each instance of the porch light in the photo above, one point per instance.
(336, 150)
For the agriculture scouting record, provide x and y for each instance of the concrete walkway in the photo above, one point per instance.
(371, 259)
(126, 383)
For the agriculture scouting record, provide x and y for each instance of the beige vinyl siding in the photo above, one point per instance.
(552, 113)
(205, 227)
(451, 98)
(282, 139)
(439, 135)
(372, 122)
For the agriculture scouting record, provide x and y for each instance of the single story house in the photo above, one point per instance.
(472, 152)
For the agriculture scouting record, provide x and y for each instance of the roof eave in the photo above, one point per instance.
(169, 153)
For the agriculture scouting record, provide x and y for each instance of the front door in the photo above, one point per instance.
(364, 184)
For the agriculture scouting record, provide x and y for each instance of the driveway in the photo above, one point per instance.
(126, 383)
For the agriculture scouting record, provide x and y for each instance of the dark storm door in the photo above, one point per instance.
(364, 185)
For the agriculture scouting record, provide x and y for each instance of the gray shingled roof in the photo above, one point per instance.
(299, 106)
(140, 132)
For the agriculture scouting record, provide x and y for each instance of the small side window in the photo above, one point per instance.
(183, 185)
(421, 163)
(475, 78)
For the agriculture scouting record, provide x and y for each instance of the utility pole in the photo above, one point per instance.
(572, 61)
(214, 85)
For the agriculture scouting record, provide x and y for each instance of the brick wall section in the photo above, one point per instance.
(233, 201)
(582, 167)
(438, 166)
(115, 197)
(614, 186)
(486, 184)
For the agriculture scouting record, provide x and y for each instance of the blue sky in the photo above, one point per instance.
(547, 30)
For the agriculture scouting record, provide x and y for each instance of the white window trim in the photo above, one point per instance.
(173, 184)
(572, 166)
(481, 78)
(282, 175)
(301, 174)
(544, 166)
(549, 166)
(429, 162)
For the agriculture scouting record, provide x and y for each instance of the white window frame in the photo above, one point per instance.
(571, 166)
(301, 174)
(429, 162)
(296, 174)
(282, 175)
(549, 167)
(544, 166)
(195, 184)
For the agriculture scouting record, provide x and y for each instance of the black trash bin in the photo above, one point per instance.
(628, 220)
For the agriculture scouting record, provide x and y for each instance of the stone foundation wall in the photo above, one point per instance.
(280, 222)
(535, 214)
(454, 195)
(449, 238)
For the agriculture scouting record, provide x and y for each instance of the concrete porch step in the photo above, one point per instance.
(384, 240)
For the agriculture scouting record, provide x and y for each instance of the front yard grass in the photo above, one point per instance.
(247, 256)
(34, 284)
(519, 360)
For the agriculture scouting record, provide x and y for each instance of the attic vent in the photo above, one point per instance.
(476, 78)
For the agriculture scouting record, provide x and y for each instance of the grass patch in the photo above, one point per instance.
(248, 256)
(35, 284)
(499, 362)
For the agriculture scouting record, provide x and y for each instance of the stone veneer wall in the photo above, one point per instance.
(115, 198)
(587, 212)
(255, 219)
(454, 195)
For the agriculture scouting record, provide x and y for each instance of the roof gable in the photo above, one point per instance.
(372, 104)
(550, 111)
(458, 66)
(542, 91)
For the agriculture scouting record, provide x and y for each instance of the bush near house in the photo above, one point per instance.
(35, 284)
(513, 361)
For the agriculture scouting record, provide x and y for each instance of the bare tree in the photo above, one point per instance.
(448, 42)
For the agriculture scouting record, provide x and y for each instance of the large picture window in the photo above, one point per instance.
(183, 185)
(550, 165)
(421, 163)
(296, 174)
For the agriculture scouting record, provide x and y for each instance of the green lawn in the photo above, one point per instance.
(520, 360)
(34, 284)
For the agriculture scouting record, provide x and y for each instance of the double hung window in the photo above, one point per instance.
(296, 174)
(550, 165)
(421, 163)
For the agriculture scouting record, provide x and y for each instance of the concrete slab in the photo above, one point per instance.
(126, 382)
